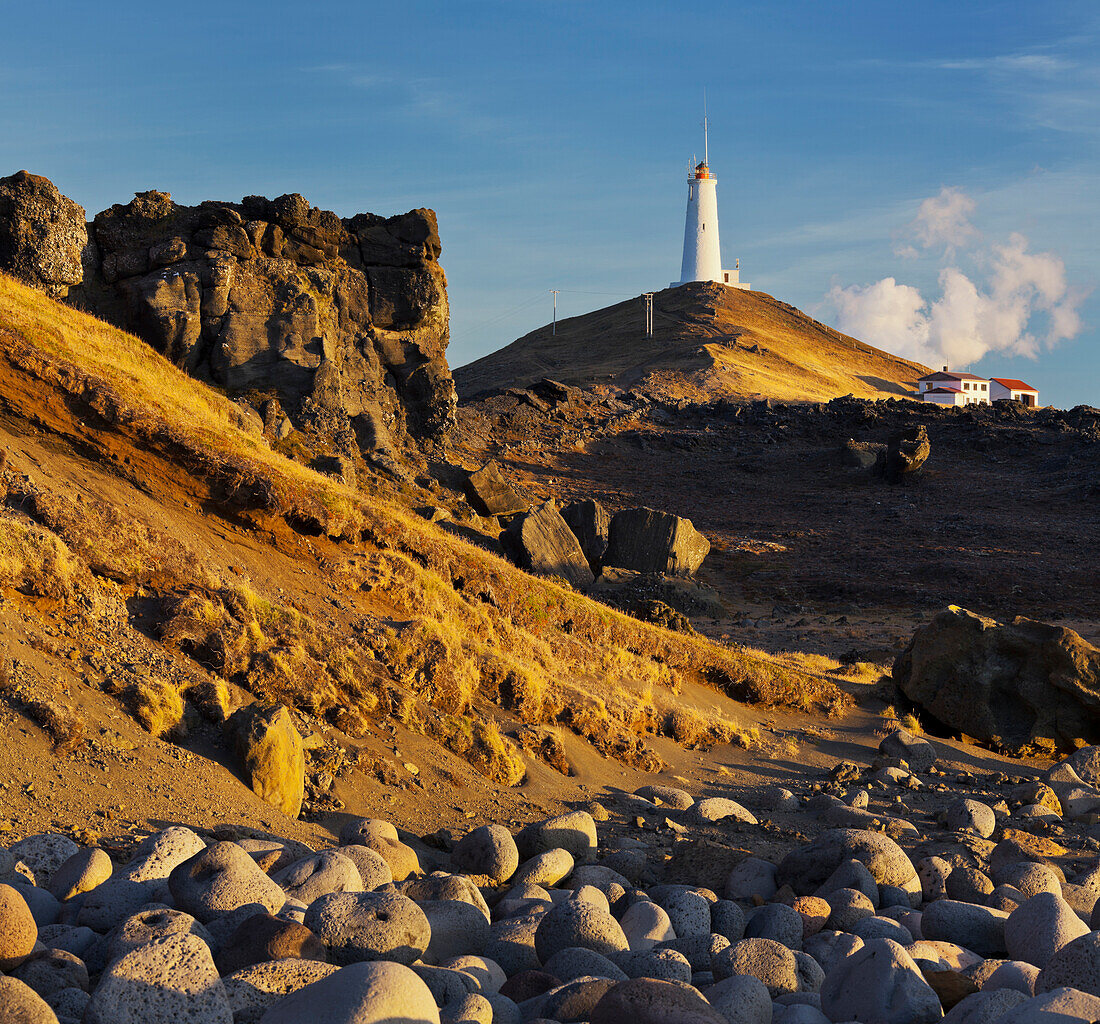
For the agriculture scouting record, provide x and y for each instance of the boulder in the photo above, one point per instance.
(879, 982)
(167, 981)
(918, 753)
(1017, 682)
(18, 931)
(369, 926)
(650, 1001)
(251, 991)
(361, 993)
(489, 850)
(20, 1004)
(542, 543)
(43, 234)
(219, 879)
(590, 523)
(806, 867)
(271, 753)
(263, 937)
(492, 495)
(649, 541)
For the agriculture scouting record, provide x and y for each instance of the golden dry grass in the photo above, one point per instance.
(471, 630)
(34, 560)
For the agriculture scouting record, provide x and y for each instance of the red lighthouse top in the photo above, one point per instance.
(702, 171)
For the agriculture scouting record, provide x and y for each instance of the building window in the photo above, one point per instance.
(985, 387)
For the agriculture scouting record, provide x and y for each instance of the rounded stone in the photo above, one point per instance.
(1059, 1006)
(769, 961)
(161, 852)
(969, 885)
(472, 1008)
(984, 1007)
(219, 879)
(362, 993)
(669, 796)
(741, 999)
(776, 921)
(1041, 926)
(882, 928)
(487, 973)
(665, 964)
(264, 937)
(51, 971)
(373, 870)
(981, 929)
(1030, 878)
(456, 927)
(728, 919)
(879, 982)
(1014, 974)
(851, 874)
(18, 931)
(649, 1001)
(149, 924)
(830, 947)
(919, 754)
(512, 943)
(253, 990)
(573, 923)
(445, 887)
(807, 867)
(810, 975)
(20, 1004)
(814, 911)
(318, 875)
(847, 906)
(971, 816)
(575, 962)
(546, 869)
(718, 808)
(1075, 965)
(80, 873)
(43, 854)
(489, 850)
(359, 926)
(688, 913)
(167, 981)
(645, 925)
(574, 1000)
(574, 832)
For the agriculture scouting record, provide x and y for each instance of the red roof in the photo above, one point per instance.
(951, 375)
(1014, 385)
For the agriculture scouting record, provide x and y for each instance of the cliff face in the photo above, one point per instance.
(343, 321)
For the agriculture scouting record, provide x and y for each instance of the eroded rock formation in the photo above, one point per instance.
(343, 321)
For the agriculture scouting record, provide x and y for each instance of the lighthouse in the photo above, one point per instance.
(702, 253)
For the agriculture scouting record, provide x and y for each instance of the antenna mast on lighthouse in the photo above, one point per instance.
(706, 145)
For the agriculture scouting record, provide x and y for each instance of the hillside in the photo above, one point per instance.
(709, 342)
(162, 566)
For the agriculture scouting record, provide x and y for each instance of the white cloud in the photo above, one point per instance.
(944, 220)
(1023, 306)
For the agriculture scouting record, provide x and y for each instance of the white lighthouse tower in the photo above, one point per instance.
(702, 252)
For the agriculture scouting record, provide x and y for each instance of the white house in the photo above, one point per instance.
(1003, 389)
(953, 387)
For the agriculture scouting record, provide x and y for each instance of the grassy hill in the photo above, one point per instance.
(709, 341)
(161, 565)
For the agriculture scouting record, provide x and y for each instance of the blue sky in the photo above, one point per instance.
(553, 138)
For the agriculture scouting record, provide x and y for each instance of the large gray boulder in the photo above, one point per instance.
(492, 495)
(590, 523)
(880, 982)
(271, 753)
(646, 540)
(542, 543)
(1017, 682)
(42, 234)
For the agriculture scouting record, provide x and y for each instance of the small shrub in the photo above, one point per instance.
(156, 704)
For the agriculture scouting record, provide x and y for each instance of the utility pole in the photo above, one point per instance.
(554, 329)
(648, 296)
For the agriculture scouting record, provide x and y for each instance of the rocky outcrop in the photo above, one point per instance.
(905, 455)
(42, 234)
(1015, 683)
(650, 541)
(343, 321)
(492, 495)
